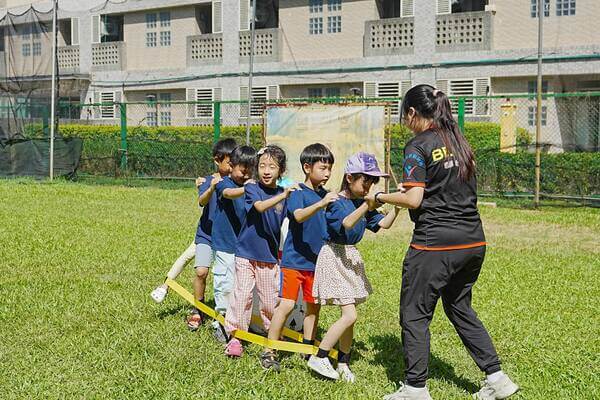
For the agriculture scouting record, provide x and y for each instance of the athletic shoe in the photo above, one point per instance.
(269, 361)
(234, 348)
(406, 393)
(501, 389)
(159, 294)
(345, 373)
(323, 367)
(219, 332)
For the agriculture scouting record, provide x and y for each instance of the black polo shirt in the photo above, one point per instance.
(447, 218)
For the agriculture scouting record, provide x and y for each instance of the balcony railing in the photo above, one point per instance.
(389, 36)
(267, 46)
(108, 56)
(464, 31)
(205, 49)
(68, 59)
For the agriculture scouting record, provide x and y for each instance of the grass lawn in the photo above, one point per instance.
(77, 264)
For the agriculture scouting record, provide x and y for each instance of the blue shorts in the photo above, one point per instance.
(204, 255)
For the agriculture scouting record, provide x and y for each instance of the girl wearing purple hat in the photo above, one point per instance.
(340, 277)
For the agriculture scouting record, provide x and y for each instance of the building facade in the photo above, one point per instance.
(199, 50)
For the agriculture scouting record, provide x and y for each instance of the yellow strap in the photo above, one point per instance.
(252, 337)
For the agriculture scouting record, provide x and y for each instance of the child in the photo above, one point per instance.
(307, 232)
(257, 246)
(340, 271)
(221, 151)
(229, 217)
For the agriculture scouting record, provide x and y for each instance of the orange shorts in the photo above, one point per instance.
(291, 280)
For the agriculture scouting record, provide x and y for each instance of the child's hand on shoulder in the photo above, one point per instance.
(215, 181)
(200, 181)
(328, 199)
(291, 189)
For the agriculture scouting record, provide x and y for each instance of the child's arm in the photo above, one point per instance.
(263, 205)
(204, 198)
(302, 214)
(355, 216)
(408, 197)
(234, 193)
(389, 219)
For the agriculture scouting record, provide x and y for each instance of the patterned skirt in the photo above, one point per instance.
(340, 276)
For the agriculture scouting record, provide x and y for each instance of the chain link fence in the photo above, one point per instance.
(174, 139)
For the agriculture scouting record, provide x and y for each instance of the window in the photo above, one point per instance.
(565, 7)
(26, 32)
(467, 88)
(260, 95)
(107, 111)
(150, 21)
(151, 118)
(315, 92)
(204, 109)
(315, 26)
(334, 24)
(26, 49)
(165, 118)
(165, 18)
(531, 115)
(150, 39)
(37, 31)
(532, 87)
(315, 6)
(165, 99)
(460, 6)
(165, 38)
(37, 49)
(334, 5)
(332, 92)
(534, 13)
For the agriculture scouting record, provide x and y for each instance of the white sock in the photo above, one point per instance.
(495, 377)
(413, 389)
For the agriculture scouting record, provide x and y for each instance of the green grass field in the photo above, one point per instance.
(78, 263)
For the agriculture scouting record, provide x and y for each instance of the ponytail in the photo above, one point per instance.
(433, 104)
(455, 141)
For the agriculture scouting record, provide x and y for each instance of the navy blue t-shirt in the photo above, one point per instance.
(229, 217)
(205, 224)
(304, 240)
(340, 209)
(259, 238)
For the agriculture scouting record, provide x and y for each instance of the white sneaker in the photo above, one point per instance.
(323, 367)
(501, 389)
(345, 373)
(159, 294)
(219, 332)
(406, 393)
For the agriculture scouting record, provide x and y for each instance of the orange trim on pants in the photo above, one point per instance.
(291, 282)
(455, 247)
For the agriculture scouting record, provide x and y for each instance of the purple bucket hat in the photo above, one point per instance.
(364, 163)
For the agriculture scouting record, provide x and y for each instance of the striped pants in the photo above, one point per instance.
(248, 274)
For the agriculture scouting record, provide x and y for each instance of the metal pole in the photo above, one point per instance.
(53, 95)
(538, 113)
(251, 68)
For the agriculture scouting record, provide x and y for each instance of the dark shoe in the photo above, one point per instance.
(269, 361)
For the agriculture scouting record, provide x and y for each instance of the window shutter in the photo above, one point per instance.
(389, 90)
(244, 15)
(75, 31)
(95, 29)
(405, 87)
(107, 111)
(204, 108)
(273, 92)
(443, 7)
(442, 85)
(243, 99)
(190, 95)
(369, 90)
(96, 108)
(482, 88)
(217, 15)
(407, 8)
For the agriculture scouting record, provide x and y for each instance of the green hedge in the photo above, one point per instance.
(186, 151)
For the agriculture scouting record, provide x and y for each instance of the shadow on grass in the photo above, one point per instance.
(388, 353)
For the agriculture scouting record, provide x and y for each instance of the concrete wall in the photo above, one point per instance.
(513, 20)
(298, 44)
(140, 57)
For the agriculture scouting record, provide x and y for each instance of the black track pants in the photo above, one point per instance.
(427, 276)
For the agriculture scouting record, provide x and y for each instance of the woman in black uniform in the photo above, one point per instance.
(448, 245)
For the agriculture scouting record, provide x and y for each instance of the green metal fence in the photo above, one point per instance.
(174, 139)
